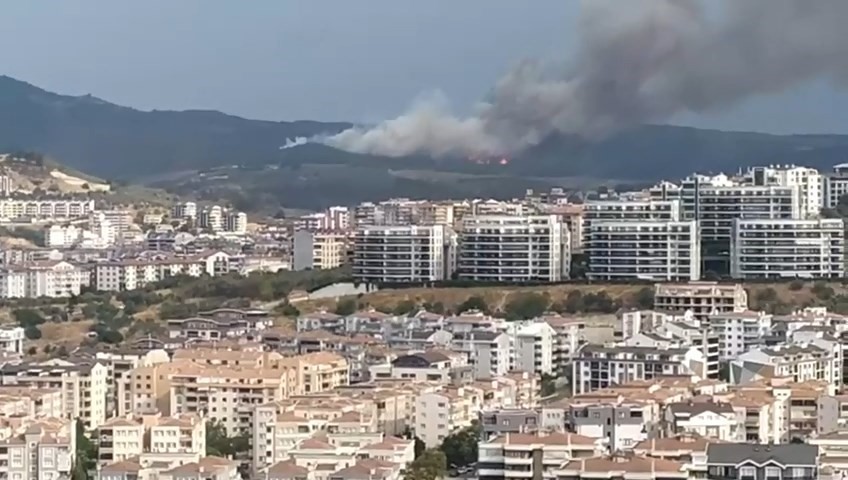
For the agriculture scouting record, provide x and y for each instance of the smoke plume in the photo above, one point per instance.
(638, 61)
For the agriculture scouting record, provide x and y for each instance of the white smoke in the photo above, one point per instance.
(296, 142)
(638, 61)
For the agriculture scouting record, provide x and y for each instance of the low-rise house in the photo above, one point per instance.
(745, 461)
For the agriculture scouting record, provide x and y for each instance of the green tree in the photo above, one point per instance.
(644, 298)
(431, 465)
(474, 302)
(526, 305)
(346, 306)
(435, 307)
(460, 448)
(219, 444)
(405, 307)
(86, 453)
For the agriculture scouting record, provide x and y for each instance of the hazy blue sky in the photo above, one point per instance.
(319, 59)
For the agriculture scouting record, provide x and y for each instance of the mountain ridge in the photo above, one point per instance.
(111, 141)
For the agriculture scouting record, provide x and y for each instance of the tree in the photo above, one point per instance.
(548, 384)
(219, 444)
(431, 465)
(32, 332)
(405, 307)
(460, 448)
(644, 298)
(86, 453)
(436, 307)
(822, 291)
(526, 305)
(474, 302)
(346, 306)
(420, 447)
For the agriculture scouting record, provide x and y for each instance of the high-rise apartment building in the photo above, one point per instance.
(403, 254)
(762, 249)
(655, 250)
(507, 248)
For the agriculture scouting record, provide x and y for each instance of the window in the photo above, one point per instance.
(772, 473)
(746, 473)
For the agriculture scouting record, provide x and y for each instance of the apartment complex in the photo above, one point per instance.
(701, 298)
(134, 274)
(513, 249)
(11, 208)
(650, 250)
(319, 250)
(84, 385)
(763, 249)
(401, 254)
(42, 279)
(154, 437)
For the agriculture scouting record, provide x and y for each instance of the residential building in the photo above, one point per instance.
(133, 274)
(514, 249)
(521, 420)
(801, 362)
(659, 251)
(319, 250)
(207, 468)
(569, 334)
(440, 413)
(403, 254)
(715, 202)
(533, 347)
(835, 185)
(618, 425)
(181, 439)
(12, 340)
(531, 455)
(746, 461)
(625, 467)
(701, 298)
(236, 222)
(186, 210)
(785, 248)
(41, 450)
(488, 352)
(599, 366)
(808, 180)
(11, 208)
(42, 279)
(617, 211)
(713, 420)
(219, 324)
(431, 366)
(84, 385)
(739, 332)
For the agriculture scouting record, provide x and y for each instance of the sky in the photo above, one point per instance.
(360, 61)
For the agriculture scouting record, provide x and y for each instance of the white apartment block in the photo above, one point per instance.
(532, 346)
(12, 340)
(45, 209)
(598, 366)
(761, 249)
(212, 218)
(84, 385)
(440, 413)
(808, 180)
(835, 185)
(236, 222)
(701, 298)
(42, 279)
(801, 362)
(488, 352)
(739, 332)
(715, 202)
(319, 250)
(403, 254)
(184, 210)
(132, 274)
(500, 248)
(660, 251)
(596, 211)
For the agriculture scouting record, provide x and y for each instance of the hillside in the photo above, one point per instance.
(221, 156)
(31, 172)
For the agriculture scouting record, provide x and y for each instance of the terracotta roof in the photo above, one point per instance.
(287, 469)
(633, 464)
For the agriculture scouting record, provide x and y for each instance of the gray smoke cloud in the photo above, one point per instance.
(638, 61)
